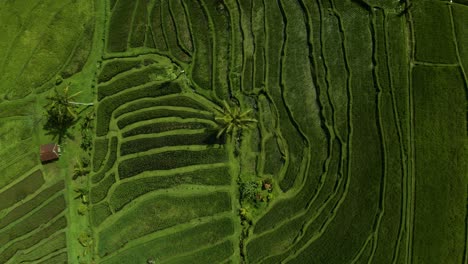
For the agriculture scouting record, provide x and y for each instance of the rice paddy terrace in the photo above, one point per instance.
(238, 131)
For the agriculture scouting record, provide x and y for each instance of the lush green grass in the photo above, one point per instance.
(101, 146)
(111, 159)
(34, 220)
(178, 100)
(53, 244)
(143, 144)
(431, 18)
(156, 27)
(176, 243)
(26, 207)
(134, 78)
(28, 61)
(171, 159)
(114, 67)
(214, 254)
(125, 192)
(20, 190)
(120, 25)
(157, 213)
(168, 124)
(201, 73)
(159, 112)
(59, 258)
(99, 192)
(137, 38)
(33, 239)
(107, 106)
(99, 213)
(440, 164)
(170, 32)
(361, 124)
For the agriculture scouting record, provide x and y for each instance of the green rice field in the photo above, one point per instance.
(234, 131)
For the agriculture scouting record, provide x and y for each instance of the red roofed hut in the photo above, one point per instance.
(50, 152)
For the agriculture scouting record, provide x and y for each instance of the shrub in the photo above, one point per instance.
(170, 160)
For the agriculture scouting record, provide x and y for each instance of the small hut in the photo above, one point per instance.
(50, 152)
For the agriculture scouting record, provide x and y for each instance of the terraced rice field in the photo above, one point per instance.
(357, 152)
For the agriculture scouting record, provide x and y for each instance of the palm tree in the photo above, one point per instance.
(61, 112)
(82, 194)
(62, 104)
(233, 118)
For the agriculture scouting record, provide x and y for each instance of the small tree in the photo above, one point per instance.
(61, 113)
(233, 118)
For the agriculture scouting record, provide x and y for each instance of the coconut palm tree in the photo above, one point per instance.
(61, 112)
(232, 118)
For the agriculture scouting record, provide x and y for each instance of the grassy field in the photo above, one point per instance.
(236, 131)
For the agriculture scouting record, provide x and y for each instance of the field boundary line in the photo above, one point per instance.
(42, 205)
(180, 190)
(176, 29)
(166, 107)
(51, 255)
(34, 231)
(163, 120)
(164, 173)
(130, 31)
(112, 219)
(165, 232)
(185, 254)
(41, 243)
(358, 255)
(403, 157)
(411, 166)
(373, 27)
(191, 148)
(22, 177)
